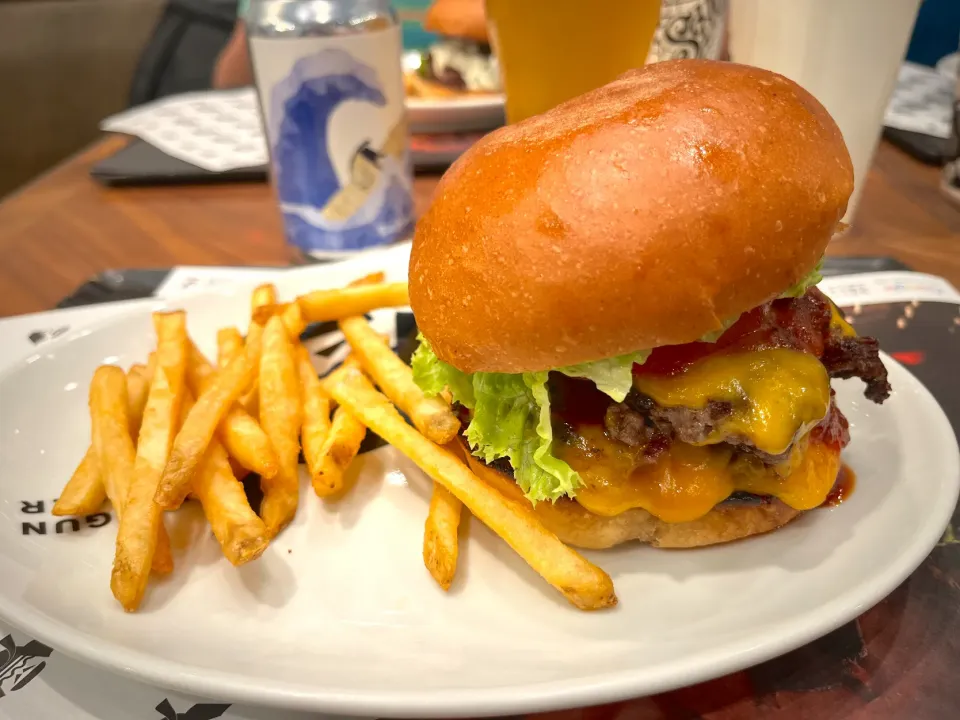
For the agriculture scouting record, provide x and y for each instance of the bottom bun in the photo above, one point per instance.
(577, 526)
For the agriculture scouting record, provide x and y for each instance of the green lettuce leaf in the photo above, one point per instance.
(806, 282)
(549, 478)
(504, 406)
(613, 376)
(511, 419)
(433, 375)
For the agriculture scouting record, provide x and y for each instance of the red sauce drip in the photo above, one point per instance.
(799, 323)
(842, 488)
(833, 430)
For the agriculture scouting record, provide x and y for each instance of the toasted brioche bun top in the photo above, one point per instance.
(459, 19)
(641, 214)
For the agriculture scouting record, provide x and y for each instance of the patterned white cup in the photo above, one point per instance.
(690, 29)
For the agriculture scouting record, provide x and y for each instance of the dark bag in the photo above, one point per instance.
(181, 54)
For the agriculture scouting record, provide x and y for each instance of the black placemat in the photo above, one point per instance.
(114, 285)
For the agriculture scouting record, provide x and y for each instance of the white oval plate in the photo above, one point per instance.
(340, 615)
(466, 112)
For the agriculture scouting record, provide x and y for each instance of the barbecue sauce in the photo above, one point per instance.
(843, 488)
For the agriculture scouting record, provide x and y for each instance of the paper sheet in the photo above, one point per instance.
(215, 130)
(922, 101)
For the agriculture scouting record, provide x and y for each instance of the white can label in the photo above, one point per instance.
(334, 113)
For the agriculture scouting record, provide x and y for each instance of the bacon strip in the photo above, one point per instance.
(802, 324)
(847, 357)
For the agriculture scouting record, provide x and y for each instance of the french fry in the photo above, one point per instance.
(340, 446)
(84, 493)
(229, 343)
(417, 86)
(374, 278)
(338, 451)
(431, 415)
(142, 518)
(293, 321)
(240, 434)
(280, 417)
(163, 557)
(239, 530)
(316, 416)
(262, 313)
(251, 400)
(138, 386)
(263, 295)
(241, 533)
(247, 443)
(194, 437)
(409, 87)
(111, 432)
(290, 313)
(139, 378)
(115, 450)
(327, 382)
(321, 305)
(441, 547)
(200, 372)
(148, 375)
(583, 584)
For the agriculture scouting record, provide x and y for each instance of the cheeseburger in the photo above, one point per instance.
(461, 61)
(620, 296)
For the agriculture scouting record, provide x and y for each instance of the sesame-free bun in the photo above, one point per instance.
(577, 526)
(643, 213)
(458, 19)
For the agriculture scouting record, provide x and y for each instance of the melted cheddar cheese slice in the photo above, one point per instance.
(683, 484)
(837, 322)
(812, 473)
(687, 481)
(777, 394)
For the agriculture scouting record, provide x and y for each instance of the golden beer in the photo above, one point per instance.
(553, 50)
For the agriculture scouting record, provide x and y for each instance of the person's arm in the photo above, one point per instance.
(233, 66)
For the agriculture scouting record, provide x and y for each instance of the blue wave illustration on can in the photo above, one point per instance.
(373, 205)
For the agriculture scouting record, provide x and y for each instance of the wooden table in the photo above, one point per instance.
(64, 228)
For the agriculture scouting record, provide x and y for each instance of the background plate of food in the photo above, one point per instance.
(454, 83)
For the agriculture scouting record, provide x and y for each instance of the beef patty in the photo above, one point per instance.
(802, 324)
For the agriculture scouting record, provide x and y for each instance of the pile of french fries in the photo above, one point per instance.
(181, 428)
(416, 86)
